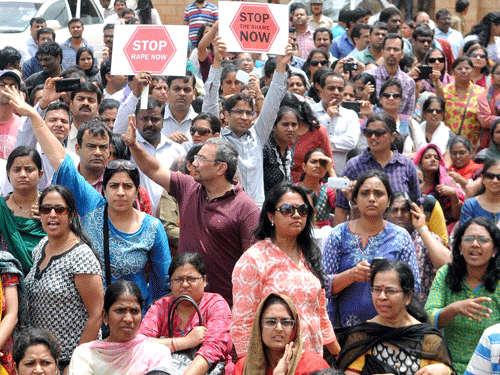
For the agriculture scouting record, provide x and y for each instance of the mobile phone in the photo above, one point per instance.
(338, 183)
(243, 76)
(350, 65)
(68, 85)
(355, 106)
(425, 71)
(408, 200)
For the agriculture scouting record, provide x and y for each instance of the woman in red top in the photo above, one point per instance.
(311, 134)
(275, 346)
(463, 167)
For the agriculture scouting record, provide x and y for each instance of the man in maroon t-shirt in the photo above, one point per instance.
(9, 121)
(217, 218)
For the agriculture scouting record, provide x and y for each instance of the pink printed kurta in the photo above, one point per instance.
(264, 269)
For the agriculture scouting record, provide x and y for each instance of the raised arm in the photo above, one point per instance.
(212, 85)
(146, 163)
(53, 149)
(206, 40)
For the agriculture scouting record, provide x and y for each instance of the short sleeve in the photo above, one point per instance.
(9, 279)
(85, 261)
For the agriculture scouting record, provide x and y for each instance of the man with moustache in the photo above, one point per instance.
(392, 51)
(197, 13)
(373, 52)
(149, 124)
(323, 39)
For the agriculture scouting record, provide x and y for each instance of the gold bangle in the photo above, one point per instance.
(260, 97)
(39, 126)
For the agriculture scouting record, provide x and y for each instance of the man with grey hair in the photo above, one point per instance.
(217, 217)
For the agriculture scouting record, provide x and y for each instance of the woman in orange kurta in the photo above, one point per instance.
(286, 260)
(461, 102)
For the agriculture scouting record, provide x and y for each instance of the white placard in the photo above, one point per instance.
(161, 50)
(254, 27)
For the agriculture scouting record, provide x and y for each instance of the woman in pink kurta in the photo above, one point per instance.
(286, 260)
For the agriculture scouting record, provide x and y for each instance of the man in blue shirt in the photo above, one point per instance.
(72, 44)
(343, 44)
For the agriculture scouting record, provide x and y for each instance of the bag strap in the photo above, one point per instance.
(105, 233)
(465, 109)
(172, 308)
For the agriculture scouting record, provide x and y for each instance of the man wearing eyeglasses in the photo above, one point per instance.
(217, 217)
(242, 132)
(341, 123)
(422, 41)
(444, 31)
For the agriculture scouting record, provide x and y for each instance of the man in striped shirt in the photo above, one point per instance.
(198, 13)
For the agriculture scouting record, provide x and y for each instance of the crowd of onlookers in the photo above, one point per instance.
(331, 210)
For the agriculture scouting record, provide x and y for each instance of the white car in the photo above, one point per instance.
(15, 18)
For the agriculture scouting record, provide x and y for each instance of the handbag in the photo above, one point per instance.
(182, 359)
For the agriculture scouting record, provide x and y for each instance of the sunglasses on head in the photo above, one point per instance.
(432, 60)
(377, 132)
(480, 55)
(491, 176)
(319, 62)
(431, 110)
(288, 209)
(388, 95)
(201, 131)
(121, 164)
(46, 209)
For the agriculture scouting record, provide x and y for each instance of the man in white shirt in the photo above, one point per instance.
(342, 124)
(444, 31)
(149, 124)
(28, 49)
(115, 18)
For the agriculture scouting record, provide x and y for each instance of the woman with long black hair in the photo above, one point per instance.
(146, 13)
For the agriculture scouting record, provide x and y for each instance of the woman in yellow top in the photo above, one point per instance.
(399, 340)
(461, 101)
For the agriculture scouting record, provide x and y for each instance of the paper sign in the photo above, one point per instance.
(254, 27)
(160, 50)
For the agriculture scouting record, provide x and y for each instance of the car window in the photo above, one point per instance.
(57, 11)
(15, 16)
(89, 14)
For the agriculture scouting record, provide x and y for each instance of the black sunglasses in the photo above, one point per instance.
(491, 176)
(47, 209)
(201, 131)
(121, 164)
(388, 95)
(480, 55)
(432, 60)
(318, 62)
(437, 110)
(378, 132)
(288, 209)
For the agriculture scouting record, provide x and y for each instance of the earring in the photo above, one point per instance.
(272, 223)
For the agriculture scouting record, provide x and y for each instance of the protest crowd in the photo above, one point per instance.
(331, 209)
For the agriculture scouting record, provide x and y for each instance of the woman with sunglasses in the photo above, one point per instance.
(433, 126)
(487, 203)
(488, 105)
(439, 77)
(391, 94)
(461, 101)
(380, 132)
(317, 59)
(64, 287)
(399, 339)
(352, 247)
(485, 33)
(317, 168)
(465, 297)
(481, 72)
(276, 342)
(131, 245)
(437, 183)
(285, 260)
